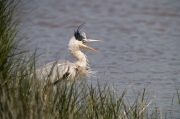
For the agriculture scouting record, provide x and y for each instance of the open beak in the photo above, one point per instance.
(88, 47)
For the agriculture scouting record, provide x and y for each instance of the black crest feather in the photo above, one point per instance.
(77, 33)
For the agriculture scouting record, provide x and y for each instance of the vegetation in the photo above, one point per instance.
(23, 96)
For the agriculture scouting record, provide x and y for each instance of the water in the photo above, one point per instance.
(141, 40)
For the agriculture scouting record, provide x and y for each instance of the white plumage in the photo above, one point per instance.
(64, 69)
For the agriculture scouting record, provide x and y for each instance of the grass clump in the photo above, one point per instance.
(14, 65)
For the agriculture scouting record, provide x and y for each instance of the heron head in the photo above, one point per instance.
(81, 39)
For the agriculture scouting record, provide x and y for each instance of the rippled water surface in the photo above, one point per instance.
(141, 40)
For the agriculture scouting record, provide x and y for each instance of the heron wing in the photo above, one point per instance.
(60, 69)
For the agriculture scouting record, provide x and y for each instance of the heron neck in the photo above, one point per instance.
(81, 58)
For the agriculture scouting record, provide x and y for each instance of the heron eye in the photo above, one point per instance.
(83, 41)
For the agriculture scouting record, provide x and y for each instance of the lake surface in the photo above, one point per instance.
(141, 41)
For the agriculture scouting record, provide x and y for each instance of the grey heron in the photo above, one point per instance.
(64, 69)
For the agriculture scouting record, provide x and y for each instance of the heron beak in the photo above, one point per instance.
(88, 47)
(91, 40)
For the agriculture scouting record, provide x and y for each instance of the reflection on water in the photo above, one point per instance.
(141, 40)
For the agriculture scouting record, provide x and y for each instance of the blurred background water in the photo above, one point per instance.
(141, 41)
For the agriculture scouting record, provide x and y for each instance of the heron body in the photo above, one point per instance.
(64, 69)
